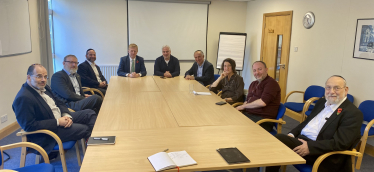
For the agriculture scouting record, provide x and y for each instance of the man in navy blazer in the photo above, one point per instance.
(167, 65)
(90, 73)
(201, 71)
(132, 65)
(67, 87)
(36, 108)
(333, 125)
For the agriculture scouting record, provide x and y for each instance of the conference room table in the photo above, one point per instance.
(150, 114)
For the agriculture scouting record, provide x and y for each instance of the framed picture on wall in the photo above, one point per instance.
(364, 41)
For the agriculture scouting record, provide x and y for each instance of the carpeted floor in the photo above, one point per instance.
(72, 163)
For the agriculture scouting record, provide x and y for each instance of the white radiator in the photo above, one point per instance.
(108, 71)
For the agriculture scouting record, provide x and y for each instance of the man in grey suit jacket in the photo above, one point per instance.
(36, 108)
(201, 71)
(333, 125)
(67, 87)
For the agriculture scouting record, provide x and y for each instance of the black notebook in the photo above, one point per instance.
(102, 140)
(232, 155)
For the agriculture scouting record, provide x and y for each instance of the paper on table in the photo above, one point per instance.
(161, 161)
(202, 93)
(182, 158)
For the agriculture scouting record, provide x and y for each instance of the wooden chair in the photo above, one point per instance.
(61, 147)
(278, 121)
(219, 93)
(296, 109)
(92, 91)
(207, 86)
(45, 167)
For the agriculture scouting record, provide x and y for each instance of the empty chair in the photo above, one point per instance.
(297, 109)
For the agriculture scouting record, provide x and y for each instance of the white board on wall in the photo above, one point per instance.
(231, 45)
(182, 26)
(15, 36)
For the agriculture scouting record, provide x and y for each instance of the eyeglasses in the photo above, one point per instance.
(73, 62)
(41, 76)
(336, 88)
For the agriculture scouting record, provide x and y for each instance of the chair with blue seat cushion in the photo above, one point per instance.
(297, 109)
(61, 147)
(278, 122)
(45, 167)
(216, 76)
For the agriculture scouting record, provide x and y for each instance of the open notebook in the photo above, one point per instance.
(163, 161)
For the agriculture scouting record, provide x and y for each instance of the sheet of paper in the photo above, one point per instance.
(161, 161)
(182, 158)
(202, 93)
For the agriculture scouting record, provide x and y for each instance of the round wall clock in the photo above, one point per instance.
(308, 20)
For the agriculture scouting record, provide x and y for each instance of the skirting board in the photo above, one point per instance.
(9, 129)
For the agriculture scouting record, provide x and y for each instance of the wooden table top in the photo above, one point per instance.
(132, 148)
(149, 114)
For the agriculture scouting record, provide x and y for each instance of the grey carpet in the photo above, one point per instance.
(72, 163)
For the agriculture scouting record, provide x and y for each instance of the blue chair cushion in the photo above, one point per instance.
(304, 167)
(297, 107)
(38, 167)
(307, 113)
(371, 131)
(273, 132)
(67, 145)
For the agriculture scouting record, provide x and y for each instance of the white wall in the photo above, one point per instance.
(13, 69)
(324, 50)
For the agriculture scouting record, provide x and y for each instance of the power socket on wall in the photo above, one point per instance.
(4, 118)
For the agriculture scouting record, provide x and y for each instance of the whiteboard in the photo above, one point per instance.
(231, 45)
(14, 27)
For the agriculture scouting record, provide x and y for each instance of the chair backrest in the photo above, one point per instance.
(366, 107)
(1, 158)
(314, 91)
(350, 98)
(280, 114)
(216, 76)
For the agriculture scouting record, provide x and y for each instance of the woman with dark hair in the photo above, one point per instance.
(229, 82)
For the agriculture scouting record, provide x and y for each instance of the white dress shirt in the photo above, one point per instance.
(51, 103)
(134, 66)
(312, 129)
(93, 65)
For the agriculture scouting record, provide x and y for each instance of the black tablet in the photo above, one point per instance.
(232, 155)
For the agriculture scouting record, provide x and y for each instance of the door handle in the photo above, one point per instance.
(282, 65)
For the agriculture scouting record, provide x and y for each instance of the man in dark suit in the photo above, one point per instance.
(36, 108)
(333, 125)
(201, 71)
(167, 65)
(67, 87)
(90, 73)
(132, 65)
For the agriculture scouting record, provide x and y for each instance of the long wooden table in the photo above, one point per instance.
(149, 114)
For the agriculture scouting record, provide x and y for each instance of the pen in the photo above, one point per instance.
(165, 150)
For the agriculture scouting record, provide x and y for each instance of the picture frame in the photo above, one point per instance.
(364, 39)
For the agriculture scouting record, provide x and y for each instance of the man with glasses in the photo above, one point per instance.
(36, 108)
(333, 125)
(132, 65)
(91, 74)
(66, 85)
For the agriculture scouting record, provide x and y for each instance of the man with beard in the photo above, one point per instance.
(333, 125)
(36, 108)
(91, 74)
(263, 97)
(67, 87)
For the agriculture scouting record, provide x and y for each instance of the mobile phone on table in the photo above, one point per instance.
(221, 103)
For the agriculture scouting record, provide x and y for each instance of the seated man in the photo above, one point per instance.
(36, 108)
(90, 73)
(333, 125)
(201, 71)
(166, 65)
(263, 97)
(67, 87)
(132, 65)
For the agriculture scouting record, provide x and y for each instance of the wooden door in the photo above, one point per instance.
(275, 46)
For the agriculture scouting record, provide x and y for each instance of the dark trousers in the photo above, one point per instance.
(268, 126)
(292, 143)
(92, 102)
(83, 123)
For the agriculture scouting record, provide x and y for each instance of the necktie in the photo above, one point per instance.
(132, 66)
